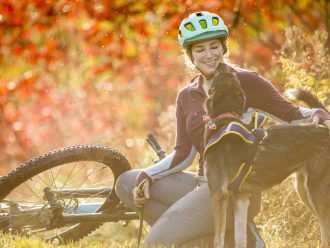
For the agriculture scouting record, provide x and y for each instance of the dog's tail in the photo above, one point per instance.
(306, 97)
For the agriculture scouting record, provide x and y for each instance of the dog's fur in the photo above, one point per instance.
(285, 150)
(313, 179)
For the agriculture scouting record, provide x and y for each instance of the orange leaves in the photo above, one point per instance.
(22, 87)
(6, 8)
(18, 50)
(3, 91)
(70, 48)
(101, 68)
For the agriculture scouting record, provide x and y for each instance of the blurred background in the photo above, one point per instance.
(107, 72)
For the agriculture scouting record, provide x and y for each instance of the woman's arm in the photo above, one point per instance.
(182, 157)
(262, 95)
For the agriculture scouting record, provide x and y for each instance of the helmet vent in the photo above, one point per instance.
(203, 24)
(215, 21)
(190, 27)
(199, 14)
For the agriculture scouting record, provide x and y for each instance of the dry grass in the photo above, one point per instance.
(285, 221)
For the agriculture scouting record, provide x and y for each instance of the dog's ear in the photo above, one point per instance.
(222, 67)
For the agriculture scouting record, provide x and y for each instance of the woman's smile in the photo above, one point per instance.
(212, 63)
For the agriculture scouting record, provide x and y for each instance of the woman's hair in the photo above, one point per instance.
(187, 56)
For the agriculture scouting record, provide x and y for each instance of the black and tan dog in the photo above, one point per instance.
(313, 179)
(238, 164)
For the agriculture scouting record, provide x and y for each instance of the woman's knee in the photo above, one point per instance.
(125, 183)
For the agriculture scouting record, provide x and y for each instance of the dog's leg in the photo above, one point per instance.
(241, 205)
(319, 202)
(325, 235)
(311, 189)
(219, 208)
(218, 184)
(301, 187)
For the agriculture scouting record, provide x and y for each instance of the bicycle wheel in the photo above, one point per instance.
(26, 210)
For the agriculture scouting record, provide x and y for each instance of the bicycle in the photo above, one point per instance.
(59, 195)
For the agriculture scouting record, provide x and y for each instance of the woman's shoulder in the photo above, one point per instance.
(239, 71)
(190, 85)
(248, 76)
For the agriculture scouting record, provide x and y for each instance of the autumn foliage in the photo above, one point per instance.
(107, 72)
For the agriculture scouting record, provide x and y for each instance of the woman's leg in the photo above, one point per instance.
(189, 221)
(163, 193)
(187, 217)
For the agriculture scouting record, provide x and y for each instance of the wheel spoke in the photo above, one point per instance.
(103, 182)
(91, 185)
(90, 174)
(53, 183)
(33, 192)
(74, 174)
(42, 180)
(59, 172)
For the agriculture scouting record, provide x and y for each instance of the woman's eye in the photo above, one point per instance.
(215, 47)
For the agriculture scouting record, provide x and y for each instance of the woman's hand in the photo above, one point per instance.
(321, 117)
(141, 193)
(316, 122)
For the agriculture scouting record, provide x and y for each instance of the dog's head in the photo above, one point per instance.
(225, 94)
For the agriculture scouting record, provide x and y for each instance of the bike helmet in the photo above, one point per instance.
(200, 26)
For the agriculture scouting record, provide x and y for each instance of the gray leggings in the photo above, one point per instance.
(179, 212)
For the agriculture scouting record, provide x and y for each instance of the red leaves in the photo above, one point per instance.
(22, 87)
(101, 68)
(129, 47)
(6, 8)
(18, 50)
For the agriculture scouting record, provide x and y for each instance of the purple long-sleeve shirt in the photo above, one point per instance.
(260, 95)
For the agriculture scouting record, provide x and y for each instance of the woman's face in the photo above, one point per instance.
(207, 55)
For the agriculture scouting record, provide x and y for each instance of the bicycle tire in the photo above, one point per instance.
(111, 158)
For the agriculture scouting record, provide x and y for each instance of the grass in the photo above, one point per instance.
(284, 222)
(10, 241)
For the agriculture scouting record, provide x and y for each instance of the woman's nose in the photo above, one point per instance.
(208, 52)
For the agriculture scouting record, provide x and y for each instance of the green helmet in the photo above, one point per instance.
(201, 26)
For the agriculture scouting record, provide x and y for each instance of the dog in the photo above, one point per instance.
(257, 164)
(313, 179)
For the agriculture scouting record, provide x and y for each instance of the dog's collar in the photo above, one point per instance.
(211, 122)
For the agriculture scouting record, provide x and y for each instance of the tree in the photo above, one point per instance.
(72, 69)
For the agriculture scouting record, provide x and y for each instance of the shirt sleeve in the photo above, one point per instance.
(182, 157)
(262, 95)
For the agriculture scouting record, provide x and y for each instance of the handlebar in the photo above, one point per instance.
(151, 139)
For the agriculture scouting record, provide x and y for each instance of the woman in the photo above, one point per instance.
(179, 211)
